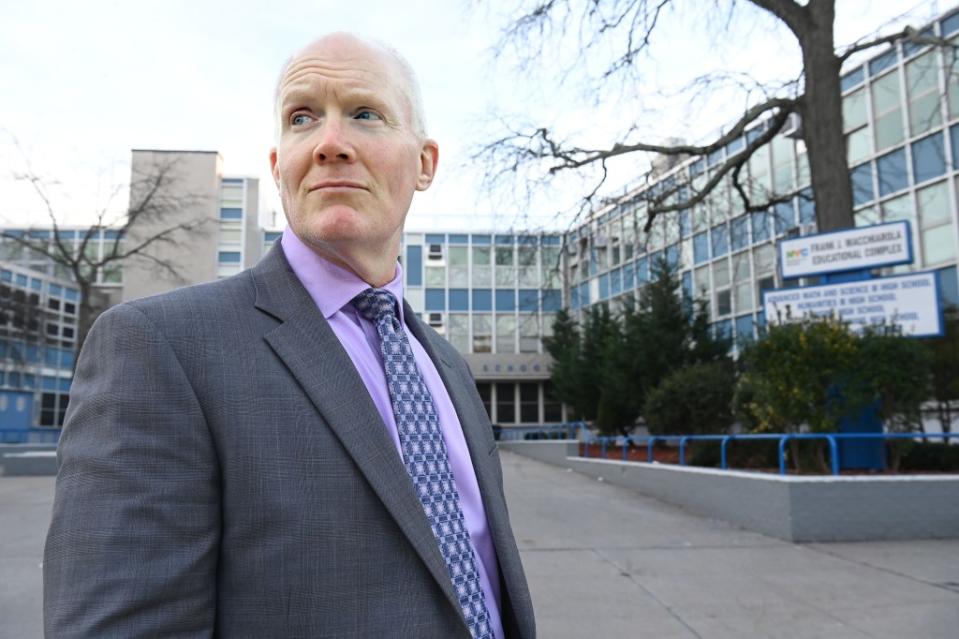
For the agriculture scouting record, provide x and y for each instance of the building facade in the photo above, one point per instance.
(494, 295)
(38, 324)
(901, 117)
(218, 236)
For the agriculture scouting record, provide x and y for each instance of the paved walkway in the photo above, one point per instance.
(604, 562)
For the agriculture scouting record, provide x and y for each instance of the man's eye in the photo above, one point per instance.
(367, 114)
(299, 119)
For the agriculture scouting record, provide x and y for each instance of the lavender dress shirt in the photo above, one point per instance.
(332, 288)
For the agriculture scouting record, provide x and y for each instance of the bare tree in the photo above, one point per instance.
(811, 105)
(157, 203)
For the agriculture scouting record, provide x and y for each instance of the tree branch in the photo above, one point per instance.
(792, 14)
(909, 33)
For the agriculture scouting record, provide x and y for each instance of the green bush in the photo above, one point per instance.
(928, 457)
(692, 400)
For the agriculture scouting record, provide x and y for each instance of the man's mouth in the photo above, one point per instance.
(335, 185)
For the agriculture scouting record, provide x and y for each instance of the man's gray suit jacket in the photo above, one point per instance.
(224, 472)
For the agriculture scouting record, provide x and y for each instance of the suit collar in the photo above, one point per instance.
(307, 345)
(309, 348)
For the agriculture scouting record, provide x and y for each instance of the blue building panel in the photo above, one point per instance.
(552, 300)
(892, 173)
(928, 158)
(459, 299)
(482, 300)
(435, 299)
(505, 300)
(414, 265)
(529, 300)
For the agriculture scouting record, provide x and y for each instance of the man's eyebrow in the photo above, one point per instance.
(363, 96)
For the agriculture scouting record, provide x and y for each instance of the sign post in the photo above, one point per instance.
(844, 259)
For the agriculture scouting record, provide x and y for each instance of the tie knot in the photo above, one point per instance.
(374, 304)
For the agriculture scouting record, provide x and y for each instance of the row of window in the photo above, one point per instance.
(523, 403)
(24, 352)
(460, 266)
(21, 380)
(34, 284)
(890, 173)
(482, 300)
(487, 239)
(489, 333)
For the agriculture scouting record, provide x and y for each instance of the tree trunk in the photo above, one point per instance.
(821, 111)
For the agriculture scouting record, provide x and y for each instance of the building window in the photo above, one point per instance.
(505, 333)
(529, 333)
(887, 111)
(482, 272)
(938, 235)
(529, 403)
(485, 391)
(229, 257)
(459, 332)
(928, 158)
(700, 248)
(459, 266)
(784, 217)
(528, 268)
(739, 229)
(505, 404)
(505, 269)
(436, 276)
(892, 173)
(482, 333)
(723, 295)
(720, 240)
(922, 87)
(435, 253)
(744, 330)
(862, 184)
(855, 124)
(231, 213)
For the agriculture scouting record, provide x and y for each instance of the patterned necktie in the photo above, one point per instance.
(424, 453)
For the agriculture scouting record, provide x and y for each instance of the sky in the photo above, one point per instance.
(81, 84)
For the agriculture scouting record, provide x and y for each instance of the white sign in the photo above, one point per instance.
(910, 302)
(846, 250)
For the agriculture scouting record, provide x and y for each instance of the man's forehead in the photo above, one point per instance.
(341, 52)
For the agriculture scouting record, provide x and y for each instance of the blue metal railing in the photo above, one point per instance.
(832, 439)
(569, 430)
(29, 435)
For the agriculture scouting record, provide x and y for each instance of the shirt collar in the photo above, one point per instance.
(332, 287)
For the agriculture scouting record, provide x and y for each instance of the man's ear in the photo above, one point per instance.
(274, 168)
(429, 158)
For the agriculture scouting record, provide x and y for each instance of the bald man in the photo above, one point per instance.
(290, 452)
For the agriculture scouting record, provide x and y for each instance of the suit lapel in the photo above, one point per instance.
(312, 352)
(479, 440)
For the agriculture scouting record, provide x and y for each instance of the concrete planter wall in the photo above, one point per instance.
(799, 509)
(28, 459)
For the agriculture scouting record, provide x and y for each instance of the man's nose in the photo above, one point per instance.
(333, 144)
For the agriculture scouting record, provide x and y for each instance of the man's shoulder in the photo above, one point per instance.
(199, 304)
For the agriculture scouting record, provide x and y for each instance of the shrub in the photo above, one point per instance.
(693, 400)
(930, 456)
